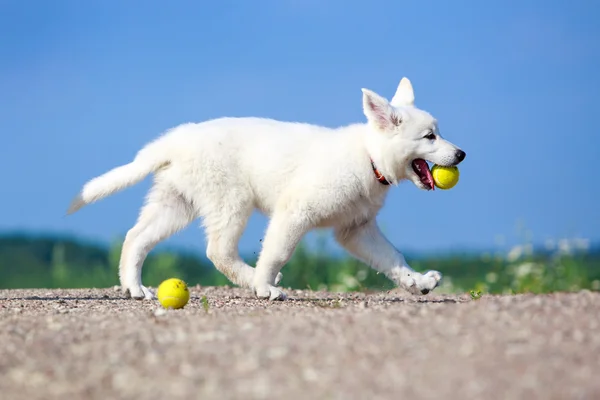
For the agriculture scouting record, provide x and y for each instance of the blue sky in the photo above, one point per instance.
(83, 85)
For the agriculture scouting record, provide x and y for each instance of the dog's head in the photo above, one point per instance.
(404, 138)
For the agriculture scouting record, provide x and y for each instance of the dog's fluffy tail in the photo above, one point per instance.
(149, 159)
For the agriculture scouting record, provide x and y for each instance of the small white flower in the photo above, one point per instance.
(361, 275)
(491, 277)
(524, 269)
(564, 247)
(515, 253)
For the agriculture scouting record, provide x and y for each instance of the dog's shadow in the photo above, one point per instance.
(316, 300)
(63, 298)
(333, 300)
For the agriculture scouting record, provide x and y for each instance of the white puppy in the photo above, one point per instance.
(302, 176)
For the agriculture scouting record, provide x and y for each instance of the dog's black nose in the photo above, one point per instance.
(460, 155)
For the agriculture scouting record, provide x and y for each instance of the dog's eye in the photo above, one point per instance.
(430, 136)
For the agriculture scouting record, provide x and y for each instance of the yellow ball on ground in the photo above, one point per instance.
(445, 177)
(173, 293)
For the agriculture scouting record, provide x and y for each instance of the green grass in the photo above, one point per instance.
(205, 304)
(28, 262)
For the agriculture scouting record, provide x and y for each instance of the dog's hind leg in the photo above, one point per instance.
(165, 213)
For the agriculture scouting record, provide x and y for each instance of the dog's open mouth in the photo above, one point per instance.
(422, 170)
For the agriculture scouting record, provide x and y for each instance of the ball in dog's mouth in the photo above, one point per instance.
(422, 170)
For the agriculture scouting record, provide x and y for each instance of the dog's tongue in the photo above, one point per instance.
(422, 169)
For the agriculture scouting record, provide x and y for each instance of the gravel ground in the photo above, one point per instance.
(94, 344)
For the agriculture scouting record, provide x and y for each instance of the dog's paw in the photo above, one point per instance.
(429, 281)
(139, 293)
(269, 292)
(421, 284)
(409, 284)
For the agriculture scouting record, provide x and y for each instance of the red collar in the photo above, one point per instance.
(378, 175)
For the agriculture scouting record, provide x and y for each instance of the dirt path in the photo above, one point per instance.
(93, 344)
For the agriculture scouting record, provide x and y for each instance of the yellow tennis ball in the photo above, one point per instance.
(445, 177)
(173, 293)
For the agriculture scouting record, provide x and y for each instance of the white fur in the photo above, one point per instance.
(302, 176)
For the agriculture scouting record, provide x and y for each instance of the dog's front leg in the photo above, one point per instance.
(367, 243)
(283, 235)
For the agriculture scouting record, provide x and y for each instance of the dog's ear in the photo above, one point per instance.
(405, 95)
(378, 111)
